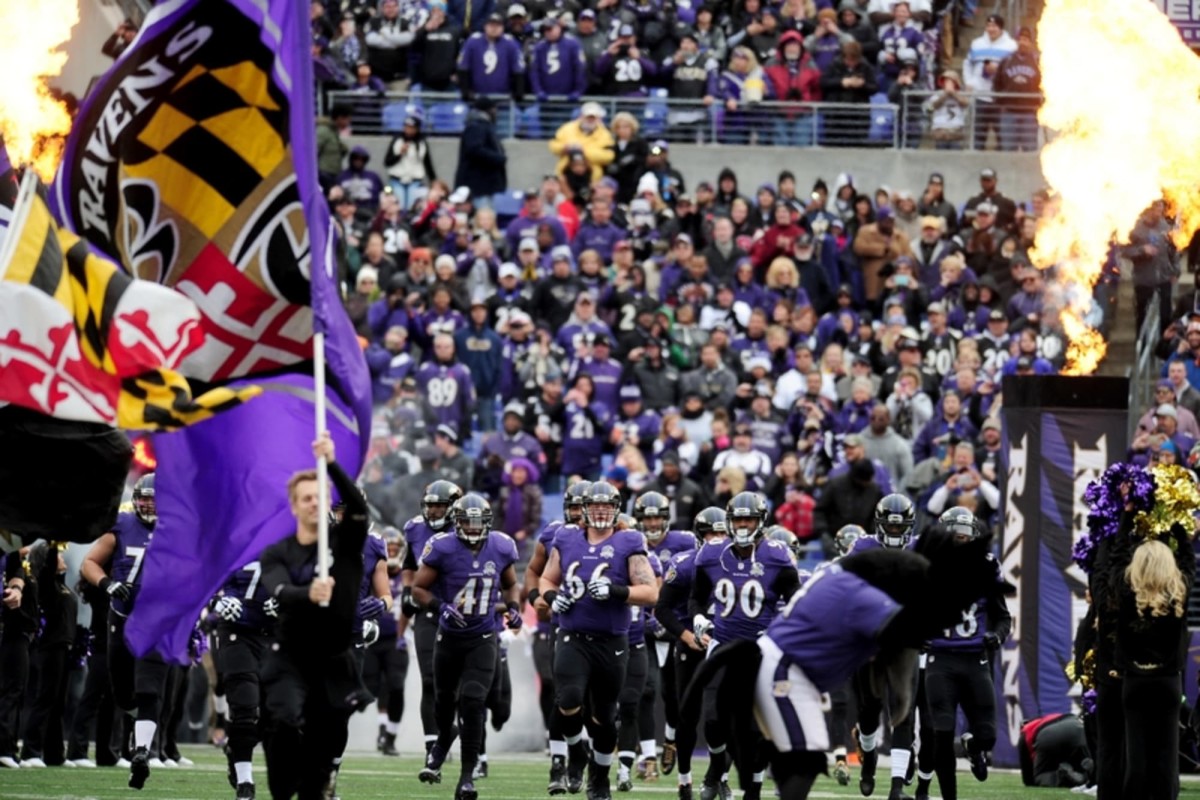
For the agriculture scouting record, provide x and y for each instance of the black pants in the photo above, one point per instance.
(385, 668)
(686, 662)
(1151, 736)
(963, 680)
(666, 683)
(425, 630)
(645, 724)
(138, 684)
(240, 654)
(464, 669)
(308, 708)
(1110, 739)
(171, 714)
(592, 668)
(543, 662)
(14, 675)
(94, 711)
(987, 118)
(43, 729)
(499, 699)
(630, 700)
(1057, 743)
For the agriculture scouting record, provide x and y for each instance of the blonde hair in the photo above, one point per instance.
(782, 273)
(1157, 584)
(299, 478)
(625, 116)
(632, 459)
(735, 477)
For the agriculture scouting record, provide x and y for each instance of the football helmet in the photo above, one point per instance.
(653, 513)
(143, 499)
(601, 506)
(710, 524)
(471, 517)
(626, 522)
(785, 537)
(746, 507)
(895, 518)
(573, 499)
(961, 523)
(435, 504)
(845, 538)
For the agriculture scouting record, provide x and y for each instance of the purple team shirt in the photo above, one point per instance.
(968, 634)
(583, 561)
(743, 588)
(470, 579)
(246, 585)
(133, 537)
(374, 551)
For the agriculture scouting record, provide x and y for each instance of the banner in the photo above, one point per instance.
(1060, 433)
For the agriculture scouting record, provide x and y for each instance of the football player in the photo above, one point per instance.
(635, 709)
(778, 533)
(672, 612)
(435, 506)
(846, 537)
(386, 664)
(543, 643)
(466, 577)
(245, 632)
(114, 564)
(958, 671)
(895, 518)
(839, 725)
(652, 510)
(593, 575)
(742, 581)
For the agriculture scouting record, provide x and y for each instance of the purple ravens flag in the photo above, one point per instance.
(193, 163)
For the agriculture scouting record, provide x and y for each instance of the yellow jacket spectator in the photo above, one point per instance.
(588, 135)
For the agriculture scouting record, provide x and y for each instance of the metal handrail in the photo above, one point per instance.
(1143, 375)
(880, 124)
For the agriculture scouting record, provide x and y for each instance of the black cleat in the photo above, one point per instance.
(577, 760)
(558, 776)
(466, 790)
(432, 771)
(388, 746)
(139, 768)
(923, 785)
(625, 784)
(977, 758)
(753, 793)
(685, 791)
(897, 792)
(866, 778)
(724, 790)
(598, 788)
(669, 755)
(245, 791)
(709, 791)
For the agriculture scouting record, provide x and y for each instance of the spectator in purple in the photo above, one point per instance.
(740, 89)
(390, 310)
(585, 424)
(855, 414)
(491, 63)
(948, 426)
(359, 183)
(446, 389)
(1027, 303)
(572, 336)
(623, 68)
(506, 445)
(824, 44)
(439, 319)
(898, 39)
(525, 226)
(519, 502)
(595, 360)
(635, 424)
(389, 364)
(557, 71)
(598, 232)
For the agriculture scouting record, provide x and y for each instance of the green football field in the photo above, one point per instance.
(371, 777)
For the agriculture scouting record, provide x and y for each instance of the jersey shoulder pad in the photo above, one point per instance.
(778, 552)
(507, 544)
(419, 519)
(710, 553)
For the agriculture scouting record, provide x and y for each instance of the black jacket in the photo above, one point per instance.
(686, 498)
(627, 167)
(481, 157)
(843, 502)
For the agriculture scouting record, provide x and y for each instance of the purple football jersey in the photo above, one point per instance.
(133, 537)
(374, 551)
(831, 626)
(586, 433)
(417, 534)
(968, 634)
(583, 561)
(680, 571)
(470, 579)
(672, 544)
(246, 585)
(743, 593)
(388, 625)
(639, 616)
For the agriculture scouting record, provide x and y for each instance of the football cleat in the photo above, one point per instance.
(669, 755)
(480, 771)
(753, 793)
(8, 762)
(83, 763)
(978, 759)
(625, 784)
(388, 747)
(841, 772)
(558, 776)
(897, 793)
(708, 791)
(923, 785)
(139, 768)
(245, 791)
(685, 791)
(577, 760)
(647, 770)
(33, 763)
(598, 787)
(432, 771)
(866, 779)
(465, 790)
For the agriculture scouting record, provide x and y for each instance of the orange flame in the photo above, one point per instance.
(1122, 93)
(33, 124)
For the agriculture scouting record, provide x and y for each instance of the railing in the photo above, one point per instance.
(877, 124)
(135, 10)
(1143, 375)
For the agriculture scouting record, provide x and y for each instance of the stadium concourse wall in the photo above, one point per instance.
(1019, 173)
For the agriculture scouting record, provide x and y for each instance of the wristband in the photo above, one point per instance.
(534, 594)
(619, 592)
(549, 597)
(104, 583)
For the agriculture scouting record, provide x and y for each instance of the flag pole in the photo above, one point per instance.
(322, 471)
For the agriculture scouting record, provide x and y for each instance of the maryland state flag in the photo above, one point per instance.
(81, 340)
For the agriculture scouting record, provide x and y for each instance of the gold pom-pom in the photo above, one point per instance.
(1176, 502)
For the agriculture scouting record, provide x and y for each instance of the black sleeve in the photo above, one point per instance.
(351, 532)
(1085, 638)
(464, 84)
(702, 588)
(670, 595)
(390, 159)
(278, 579)
(787, 583)
(999, 617)
(410, 559)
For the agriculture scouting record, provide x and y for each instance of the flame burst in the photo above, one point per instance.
(1123, 96)
(32, 123)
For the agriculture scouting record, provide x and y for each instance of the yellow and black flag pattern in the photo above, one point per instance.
(81, 340)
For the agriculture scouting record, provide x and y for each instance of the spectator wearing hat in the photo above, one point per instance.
(794, 77)
(517, 26)
(388, 36)
(949, 423)
(623, 69)
(1164, 394)
(558, 69)
(980, 68)
(519, 342)
(900, 42)
(628, 160)
(1006, 209)
(389, 363)
(712, 379)
(482, 353)
(691, 73)
(741, 454)
(586, 135)
(481, 156)
(525, 226)
(668, 180)
(848, 499)
(519, 502)
(930, 248)
(947, 110)
(939, 345)
(933, 203)
(511, 295)
(435, 47)
(593, 359)
(635, 424)
(1166, 424)
(491, 64)
(1020, 76)
(876, 244)
(453, 464)
(358, 302)
(853, 452)
(409, 162)
(908, 402)
(391, 310)
(740, 89)
(684, 495)
(1027, 303)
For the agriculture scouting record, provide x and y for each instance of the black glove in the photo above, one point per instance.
(991, 642)
(408, 606)
(116, 589)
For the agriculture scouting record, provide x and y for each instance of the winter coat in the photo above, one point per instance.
(481, 157)
(596, 147)
(874, 249)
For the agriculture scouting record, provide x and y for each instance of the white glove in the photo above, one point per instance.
(271, 607)
(701, 626)
(562, 603)
(600, 588)
(229, 609)
(370, 632)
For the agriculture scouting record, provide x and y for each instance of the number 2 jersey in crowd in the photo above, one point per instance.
(583, 562)
(133, 537)
(745, 590)
(470, 579)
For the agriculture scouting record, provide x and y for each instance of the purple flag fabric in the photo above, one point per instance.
(193, 162)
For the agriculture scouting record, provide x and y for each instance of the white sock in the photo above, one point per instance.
(483, 758)
(382, 717)
(925, 776)
(245, 772)
(669, 733)
(429, 738)
(757, 777)
(649, 748)
(623, 773)
(558, 748)
(391, 727)
(220, 704)
(867, 740)
(602, 759)
(685, 779)
(576, 739)
(839, 752)
(900, 759)
(724, 777)
(143, 732)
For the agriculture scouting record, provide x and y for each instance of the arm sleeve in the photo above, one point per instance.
(787, 583)
(279, 580)
(999, 617)
(702, 587)
(670, 596)
(352, 530)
